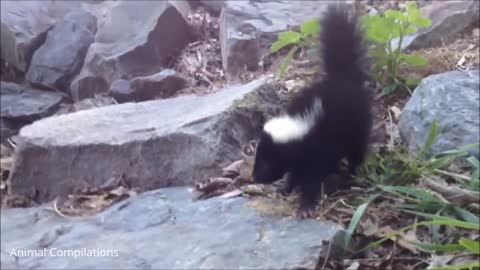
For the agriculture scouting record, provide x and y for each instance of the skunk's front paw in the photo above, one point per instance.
(306, 211)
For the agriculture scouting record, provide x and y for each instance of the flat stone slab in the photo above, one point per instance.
(164, 229)
(152, 144)
(23, 103)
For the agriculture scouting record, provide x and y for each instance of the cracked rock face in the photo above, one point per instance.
(165, 229)
(153, 144)
(134, 38)
(24, 25)
(60, 58)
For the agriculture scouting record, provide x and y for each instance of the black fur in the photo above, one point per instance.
(342, 130)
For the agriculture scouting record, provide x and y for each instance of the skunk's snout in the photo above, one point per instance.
(256, 176)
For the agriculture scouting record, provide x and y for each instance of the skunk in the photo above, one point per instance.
(326, 121)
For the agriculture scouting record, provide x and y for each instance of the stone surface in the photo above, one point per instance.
(24, 25)
(60, 58)
(120, 90)
(161, 85)
(21, 103)
(134, 38)
(85, 104)
(449, 20)
(452, 98)
(248, 28)
(164, 229)
(154, 143)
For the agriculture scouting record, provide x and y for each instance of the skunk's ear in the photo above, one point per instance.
(287, 128)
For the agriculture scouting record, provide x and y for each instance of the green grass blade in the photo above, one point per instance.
(356, 219)
(462, 224)
(424, 206)
(411, 191)
(453, 223)
(460, 151)
(474, 265)
(474, 162)
(430, 140)
(466, 215)
(430, 248)
(471, 245)
(442, 221)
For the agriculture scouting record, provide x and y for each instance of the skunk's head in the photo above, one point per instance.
(270, 161)
(281, 143)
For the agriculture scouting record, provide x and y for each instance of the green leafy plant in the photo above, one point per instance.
(382, 31)
(308, 30)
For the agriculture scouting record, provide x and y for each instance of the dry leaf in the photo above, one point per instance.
(252, 189)
(405, 242)
(96, 202)
(454, 194)
(119, 191)
(5, 151)
(401, 238)
(213, 184)
(238, 169)
(245, 171)
(6, 163)
(369, 227)
(439, 261)
(391, 129)
(476, 32)
(354, 266)
(461, 61)
(232, 170)
(231, 194)
(396, 112)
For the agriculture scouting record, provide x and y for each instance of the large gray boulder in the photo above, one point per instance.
(248, 28)
(134, 38)
(164, 229)
(25, 104)
(153, 144)
(453, 99)
(24, 25)
(60, 58)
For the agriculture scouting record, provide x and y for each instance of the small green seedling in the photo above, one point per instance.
(382, 30)
(305, 37)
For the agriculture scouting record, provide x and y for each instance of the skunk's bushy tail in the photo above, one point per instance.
(341, 45)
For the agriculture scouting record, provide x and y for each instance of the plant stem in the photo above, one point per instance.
(286, 62)
(398, 52)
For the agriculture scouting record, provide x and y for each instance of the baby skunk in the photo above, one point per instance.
(326, 121)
